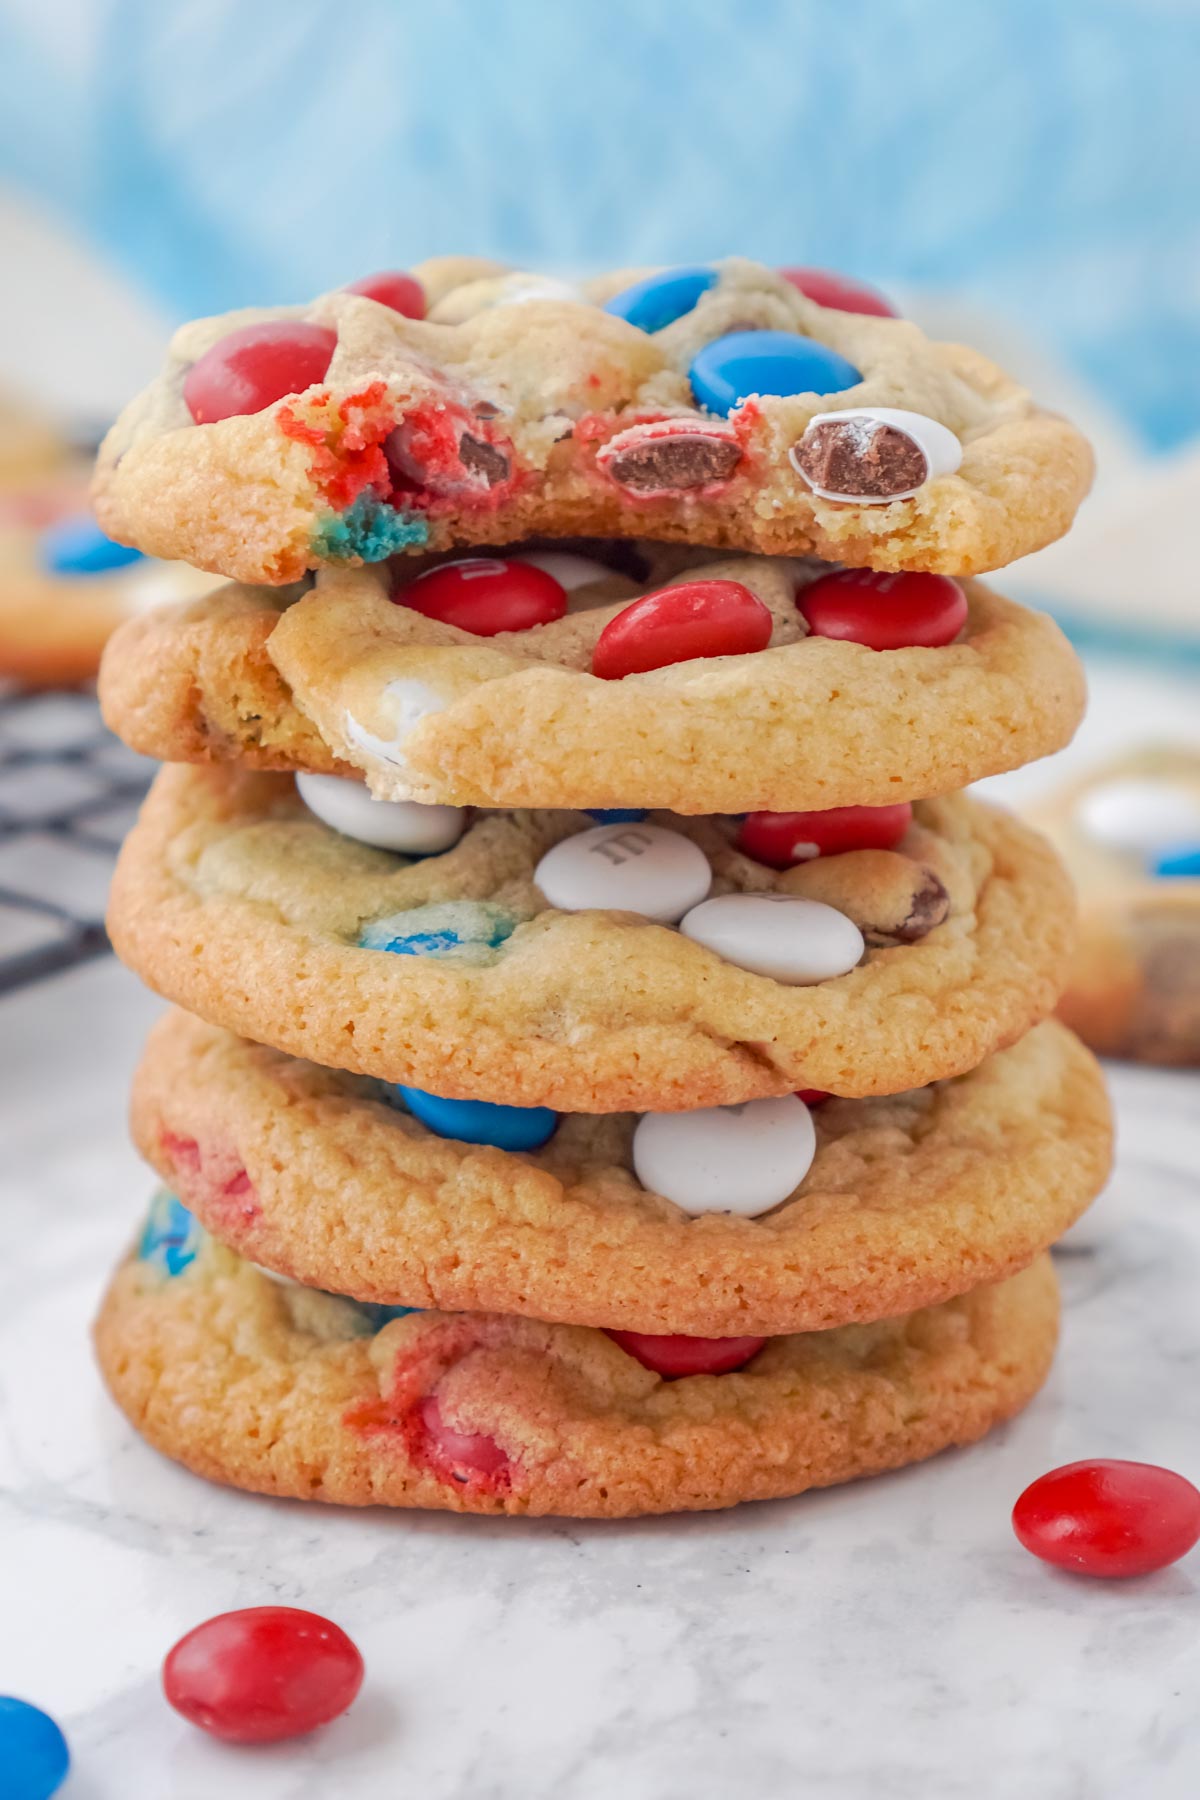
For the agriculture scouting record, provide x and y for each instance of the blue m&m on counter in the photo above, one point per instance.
(616, 815)
(77, 546)
(732, 368)
(1182, 864)
(658, 301)
(480, 1121)
(34, 1758)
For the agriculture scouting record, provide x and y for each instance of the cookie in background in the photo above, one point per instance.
(64, 585)
(1129, 832)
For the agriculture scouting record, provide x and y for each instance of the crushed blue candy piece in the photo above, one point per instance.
(660, 299)
(442, 928)
(1181, 863)
(77, 546)
(379, 1315)
(480, 1121)
(34, 1758)
(369, 529)
(732, 368)
(616, 815)
(171, 1237)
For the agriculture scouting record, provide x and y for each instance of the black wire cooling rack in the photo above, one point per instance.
(68, 794)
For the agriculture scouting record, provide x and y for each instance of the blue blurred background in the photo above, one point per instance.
(1039, 158)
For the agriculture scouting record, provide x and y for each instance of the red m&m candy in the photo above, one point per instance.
(783, 839)
(486, 594)
(391, 287)
(473, 1451)
(1109, 1518)
(828, 289)
(675, 1356)
(885, 612)
(265, 1673)
(255, 366)
(812, 1096)
(679, 624)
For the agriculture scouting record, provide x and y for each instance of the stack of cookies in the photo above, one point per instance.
(616, 1074)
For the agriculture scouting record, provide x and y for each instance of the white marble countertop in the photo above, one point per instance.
(887, 1640)
(879, 1642)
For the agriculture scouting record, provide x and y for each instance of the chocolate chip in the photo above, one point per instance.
(674, 462)
(860, 457)
(928, 906)
(484, 409)
(483, 459)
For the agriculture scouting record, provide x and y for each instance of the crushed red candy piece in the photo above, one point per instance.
(482, 458)
(210, 1177)
(664, 464)
(438, 450)
(347, 442)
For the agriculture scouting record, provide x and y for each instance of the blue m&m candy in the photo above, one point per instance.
(480, 1122)
(616, 815)
(171, 1237)
(78, 547)
(468, 927)
(1181, 863)
(34, 1758)
(377, 1314)
(742, 363)
(661, 299)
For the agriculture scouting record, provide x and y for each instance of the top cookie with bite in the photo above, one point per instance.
(720, 406)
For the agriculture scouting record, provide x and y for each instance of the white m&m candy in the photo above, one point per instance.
(401, 825)
(1140, 815)
(872, 455)
(738, 1159)
(797, 942)
(626, 868)
(406, 703)
(568, 569)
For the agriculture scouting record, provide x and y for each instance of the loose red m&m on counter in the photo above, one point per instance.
(486, 595)
(783, 839)
(830, 289)
(1109, 1518)
(884, 612)
(672, 1357)
(392, 287)
(680, 624)
(262, 1674)
(253, 367)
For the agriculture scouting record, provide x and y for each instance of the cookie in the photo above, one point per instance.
(753, 419)
(460, 974)
(907, 1201)
(64, 586)
(1129, 833)
(295, 1393)
(317, 681)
